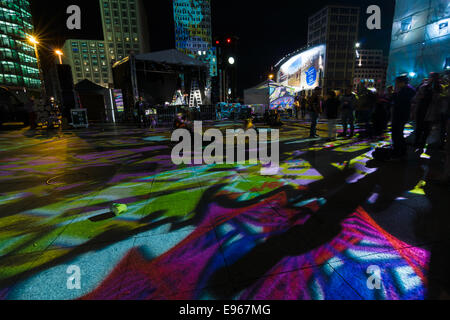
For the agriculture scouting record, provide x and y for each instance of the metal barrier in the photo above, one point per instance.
(208, 112)
(167, 114)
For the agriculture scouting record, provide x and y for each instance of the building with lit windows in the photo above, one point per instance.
(18, 64)
(370, 69)
(193, 35)
(420, 39)
(337, 28)
(124, 32)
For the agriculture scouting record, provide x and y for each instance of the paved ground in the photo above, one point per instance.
(328, 225)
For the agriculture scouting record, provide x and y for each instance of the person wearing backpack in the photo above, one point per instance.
(348, 103)
(422, 103)
(365, 108)
(402, 99)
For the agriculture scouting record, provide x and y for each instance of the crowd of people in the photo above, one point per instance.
(42, 112)
(425, 106)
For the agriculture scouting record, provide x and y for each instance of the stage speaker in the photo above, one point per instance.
(65, 77)
(67, 102)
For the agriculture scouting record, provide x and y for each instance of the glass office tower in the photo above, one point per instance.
(420, 39)
(18, 63)
(193, 35)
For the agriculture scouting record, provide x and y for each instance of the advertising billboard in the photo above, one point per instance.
(280, 96)
(304, 70)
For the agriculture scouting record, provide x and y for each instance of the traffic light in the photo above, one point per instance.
(225, 42)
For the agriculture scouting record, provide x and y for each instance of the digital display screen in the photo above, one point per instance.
(118, 100)
(281, 97)
(302, 71)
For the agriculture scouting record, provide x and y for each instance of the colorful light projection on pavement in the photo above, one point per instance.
(186, 225)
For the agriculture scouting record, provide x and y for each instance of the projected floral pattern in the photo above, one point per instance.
(193, 232)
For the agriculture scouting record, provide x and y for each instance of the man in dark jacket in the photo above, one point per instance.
(140, 112)
(331, 106)
(365, 108)
(314, 108)
(348, 105)
(422, 104)
(400, 114)
(303, 104)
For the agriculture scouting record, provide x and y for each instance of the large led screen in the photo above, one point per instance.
(303, 71)
(281, 97)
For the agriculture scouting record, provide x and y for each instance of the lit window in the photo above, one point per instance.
(443, 28)
(406, 24)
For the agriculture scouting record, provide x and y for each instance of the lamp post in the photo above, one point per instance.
(59, 53)
(35, 43)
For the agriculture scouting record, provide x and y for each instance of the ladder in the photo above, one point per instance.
(195, 98)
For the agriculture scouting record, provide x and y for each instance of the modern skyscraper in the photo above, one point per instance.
(193, 35)
(124, 31)
(420, 39)
(370, 69)
(337, 28)
(18, 63)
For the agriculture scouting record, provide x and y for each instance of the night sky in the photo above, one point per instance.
(267, 30)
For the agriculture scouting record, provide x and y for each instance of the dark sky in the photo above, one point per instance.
(267, 30)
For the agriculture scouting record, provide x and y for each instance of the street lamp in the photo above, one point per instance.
(34, 41)
(59, 53)
(231, 60)
(357, 45)
(271, 76)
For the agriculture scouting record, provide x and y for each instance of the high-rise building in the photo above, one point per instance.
(18, 64)
(193, 35)
(420, 39)
(370, 69)
(124, 31)
(337, 28)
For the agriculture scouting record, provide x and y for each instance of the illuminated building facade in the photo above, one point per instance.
(18, 64)
(124, 31)
(193, 35)
(420, 39)
(337, 28)
(370, 69)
